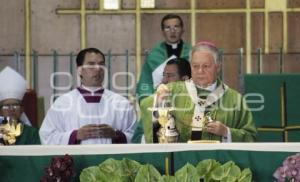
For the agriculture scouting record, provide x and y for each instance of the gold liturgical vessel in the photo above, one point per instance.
(10, 129)
(167, 133)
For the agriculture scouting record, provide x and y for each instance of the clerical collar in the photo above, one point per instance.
(173, 45)
(174, 49)
(210, 88)
(91, 96)
(91, 89)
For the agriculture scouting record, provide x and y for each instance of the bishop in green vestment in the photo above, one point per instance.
(202, 96)
(151, 74)
(11, 108)
(29, 136)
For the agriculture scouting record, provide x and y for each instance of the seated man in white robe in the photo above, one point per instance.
(89, 114)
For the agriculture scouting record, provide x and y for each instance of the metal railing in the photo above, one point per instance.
(18, 58)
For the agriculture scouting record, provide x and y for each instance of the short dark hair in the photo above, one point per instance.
(183, 66)
(82, 53)
(170, 16)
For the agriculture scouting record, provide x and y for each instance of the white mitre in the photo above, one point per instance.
(13, 85)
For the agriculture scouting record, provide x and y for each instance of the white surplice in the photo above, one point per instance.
(70, 112)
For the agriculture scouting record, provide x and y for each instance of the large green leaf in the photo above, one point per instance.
(168, 179)
(229, 179)
(228, 170)
(206, 166)
(90, 174)
(111, 166)
(227, 167)
(246, 176)
(187, 173)
(235, 171)
(115, 170)
(129, 169)
(218, 173)
(147, 173)
(116, 177)
(111, 170)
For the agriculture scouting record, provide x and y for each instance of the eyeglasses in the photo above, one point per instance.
(11, 106)
(175, 28)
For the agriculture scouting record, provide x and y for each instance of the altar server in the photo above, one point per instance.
(89, 114)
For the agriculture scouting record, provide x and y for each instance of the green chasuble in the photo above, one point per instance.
(231, 109)
(156, 57)
(29, 136)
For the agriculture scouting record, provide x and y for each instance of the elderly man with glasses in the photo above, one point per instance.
(173, 46)
(15, 127)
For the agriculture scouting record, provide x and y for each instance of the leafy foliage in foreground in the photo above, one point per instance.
(131, 171)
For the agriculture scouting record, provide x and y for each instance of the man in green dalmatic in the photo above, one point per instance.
(205, 107)
(173, 46)
(176, 69)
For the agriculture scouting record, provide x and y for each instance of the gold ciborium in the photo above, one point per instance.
(167, 132)
(10, 129)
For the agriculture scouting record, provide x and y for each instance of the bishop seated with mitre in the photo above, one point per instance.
(15, 128)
